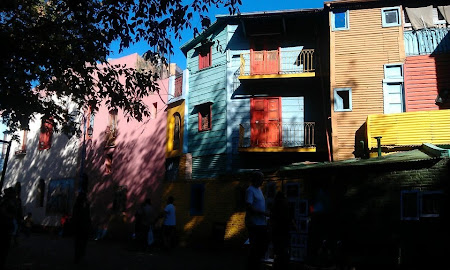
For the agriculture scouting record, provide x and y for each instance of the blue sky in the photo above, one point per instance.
(247, 6)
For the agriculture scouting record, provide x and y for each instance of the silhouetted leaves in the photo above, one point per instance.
(55, 52)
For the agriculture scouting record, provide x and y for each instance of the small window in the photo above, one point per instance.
(111, 130)
(340, 20)
(108, 163)
(204, 57)
(393, 71)
(342, 99)
(390, 17)
(176, 131)
(431, 203)
(197, 199)
(204, 117)
(45, 137)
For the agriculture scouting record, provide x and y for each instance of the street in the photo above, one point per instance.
(48, 251)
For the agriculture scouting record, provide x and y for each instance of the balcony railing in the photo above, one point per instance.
(277, 62)
(427, 41)
(276, 134)
(178, 86)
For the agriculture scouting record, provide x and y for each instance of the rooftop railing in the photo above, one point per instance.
(427, 41)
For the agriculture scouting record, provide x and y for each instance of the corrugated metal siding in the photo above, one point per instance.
(410, 128)
(208, 166)
(359, 56)
(424, 76)
(208, 85)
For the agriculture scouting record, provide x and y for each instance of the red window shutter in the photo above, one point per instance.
(45, 137)
(204, 58)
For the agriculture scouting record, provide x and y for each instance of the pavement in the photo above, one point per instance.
(50, 252)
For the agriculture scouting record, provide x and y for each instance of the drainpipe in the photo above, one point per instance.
(5, 164)
(379, 145)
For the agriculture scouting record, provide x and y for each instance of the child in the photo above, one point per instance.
(28, 224)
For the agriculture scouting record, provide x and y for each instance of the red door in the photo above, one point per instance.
(264, 57)
(265, 122)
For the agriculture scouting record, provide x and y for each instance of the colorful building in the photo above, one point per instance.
(123, 158)
(387, 62)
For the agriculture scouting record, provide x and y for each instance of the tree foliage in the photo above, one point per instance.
(57, 50)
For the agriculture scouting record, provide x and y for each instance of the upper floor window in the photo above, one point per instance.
(204, 57)
(45, 137)
(390, 17)
(204, 117)
(111, 130)
(339, 20)
(342, 99)
(89, 124)
(176, 131)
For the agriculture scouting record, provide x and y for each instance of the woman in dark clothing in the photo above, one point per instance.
(281, 225)
(82, 225)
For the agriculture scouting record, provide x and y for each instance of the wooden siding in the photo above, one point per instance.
(424, 76)
(179, 108)
(410, 128)
(208, 85)
(357, 60)
(208, 166)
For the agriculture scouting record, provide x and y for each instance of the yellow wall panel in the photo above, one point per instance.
(410, 128)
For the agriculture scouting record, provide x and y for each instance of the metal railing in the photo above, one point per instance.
(276, 134)
(427, 41)
(277, 62)
(178, 86)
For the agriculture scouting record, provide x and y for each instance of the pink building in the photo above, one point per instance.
(125, 159)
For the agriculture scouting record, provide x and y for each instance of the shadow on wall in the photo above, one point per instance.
(123, 176)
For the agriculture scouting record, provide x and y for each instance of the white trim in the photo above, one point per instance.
(337, 107)
(383, 18)
(347, 20)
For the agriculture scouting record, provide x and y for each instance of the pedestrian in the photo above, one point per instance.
(169, 224)
(144, 224)
(7, 214)
(281, 223)
(255, 220)
(82, 225)
(28, 224)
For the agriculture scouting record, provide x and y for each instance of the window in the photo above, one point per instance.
(108, 163)
(172, 165)
(390, 17)
(342, 99)
(416, 204)
(22, 150)
(204, 117)
(45, 137)
(339, 20)
(89, 125)
(393, 89)
(111, 129)
(204, 57)
(197, 199)
(176, 131)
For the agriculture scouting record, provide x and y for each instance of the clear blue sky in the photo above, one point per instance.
(247, 6)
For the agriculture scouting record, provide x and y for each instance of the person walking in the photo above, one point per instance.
(82, 225)
(255, 220)
(281, 223)
(169, 224)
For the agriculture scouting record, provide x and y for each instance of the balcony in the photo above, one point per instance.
(427, 41)
(403, 131)
(282, 63)
(277, 137)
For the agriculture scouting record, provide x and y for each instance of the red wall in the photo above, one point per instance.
(424, 76)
